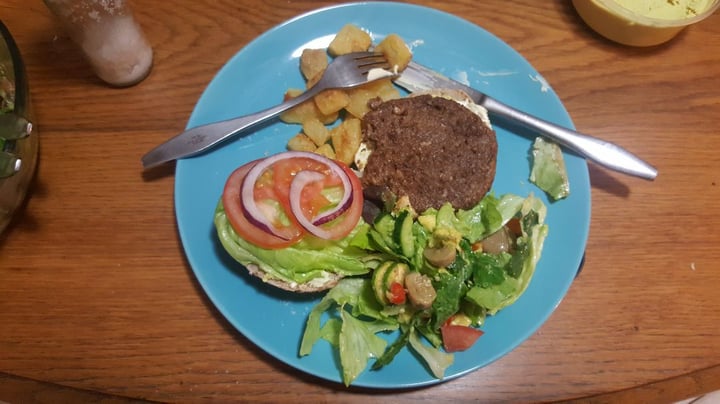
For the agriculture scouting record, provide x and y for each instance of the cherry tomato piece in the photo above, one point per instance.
(459, 337)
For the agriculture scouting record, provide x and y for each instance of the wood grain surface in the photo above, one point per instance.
(98, 304)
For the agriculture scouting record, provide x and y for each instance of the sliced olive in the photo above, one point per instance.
(420, 290)
(501, 241)
(440, 256)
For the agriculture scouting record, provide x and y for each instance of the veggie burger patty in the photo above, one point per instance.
(430, 148)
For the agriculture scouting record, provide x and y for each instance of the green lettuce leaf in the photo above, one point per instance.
(347, 291)
(548, 169)
(352, 327)
(483, 219)
(436, 360)
(519, 269)
(450, 287)
(310, 260)
(357, 345)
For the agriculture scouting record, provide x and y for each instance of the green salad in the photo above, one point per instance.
(427, 280)
(490, 255)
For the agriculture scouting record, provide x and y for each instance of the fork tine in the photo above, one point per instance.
(371, 61)
(371, 58)
(368, 61)
(366, 68)
(360, 55)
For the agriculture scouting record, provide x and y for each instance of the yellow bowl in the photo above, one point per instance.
(623, 25)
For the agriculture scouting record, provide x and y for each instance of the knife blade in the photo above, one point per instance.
(201, 138)
(417, 77)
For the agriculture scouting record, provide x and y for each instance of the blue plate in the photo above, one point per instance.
(258, 76)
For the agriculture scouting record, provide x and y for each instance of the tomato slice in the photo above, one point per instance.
(238, 220)
(396, 294)
(284, 171)
(312, 200)
(271, 201)
(271, 194)
(459, 337)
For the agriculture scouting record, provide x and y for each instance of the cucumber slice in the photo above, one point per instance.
(384, 276)
(403, 234)
(396, 273)
(378, 282)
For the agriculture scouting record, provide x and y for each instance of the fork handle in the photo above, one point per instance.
(200, 138)
(599, 151)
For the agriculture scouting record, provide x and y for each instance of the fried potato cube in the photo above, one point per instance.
(301, 142)
(305, 111)
(326, 150)
(349, 39)
(313, 63)
(346, 139)
(292, 93)
(313, 80)
(330, 101)
(384, 88)
(358, 104)
(360, 96)
(316, 131)
(395, 50)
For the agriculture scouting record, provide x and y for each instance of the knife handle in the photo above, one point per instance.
(200, 138)
(604, 153)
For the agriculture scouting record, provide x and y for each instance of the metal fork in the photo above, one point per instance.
(345, 71)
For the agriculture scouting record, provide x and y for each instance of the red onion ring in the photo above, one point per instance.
(343, 204)
(265, 226)
(338, 210)
(254, 213)
(247, 195)
(301, 180)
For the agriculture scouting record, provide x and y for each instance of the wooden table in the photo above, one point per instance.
(97, 302)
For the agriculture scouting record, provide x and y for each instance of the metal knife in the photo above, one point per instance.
(420, 78)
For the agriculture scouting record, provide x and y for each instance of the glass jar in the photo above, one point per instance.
(109, 37)
(18, 140)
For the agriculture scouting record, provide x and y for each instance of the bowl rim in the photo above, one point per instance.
(618, 9)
